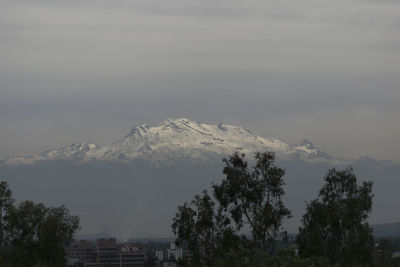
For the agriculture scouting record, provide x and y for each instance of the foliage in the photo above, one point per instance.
(384, 254)
(210, 228)
(285, 258)
(35, 234)
(335, 225)
(335, 231)
(6, 202)
(203, 229)
(23, 225)
(54, 234)
(254, 197)
(289, 258)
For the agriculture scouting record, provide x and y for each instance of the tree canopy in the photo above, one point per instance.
(204, 229)
(254, 197)
(32, 233)
(335, 224)
(334, 230)
(247, 198)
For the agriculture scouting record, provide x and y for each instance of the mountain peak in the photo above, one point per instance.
(307, 143)
(177, 120)
(86, 146)
(139, 129)
(180, 121)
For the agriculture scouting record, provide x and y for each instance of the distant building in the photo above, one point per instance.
(174, 252)
(159, 255)
(81, 251)
(132, 255)
(107, 253)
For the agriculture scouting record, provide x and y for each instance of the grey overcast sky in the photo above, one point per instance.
(79, 70)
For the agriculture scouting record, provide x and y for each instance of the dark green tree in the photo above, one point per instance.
(384, 254)
(335, 224)
(34, 234)
(23, 225)
(285, 258)
(55, 232)
(254, 197)
(203, 229)
(6, 202)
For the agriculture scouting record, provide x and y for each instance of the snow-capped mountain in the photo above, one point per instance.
(181, 139)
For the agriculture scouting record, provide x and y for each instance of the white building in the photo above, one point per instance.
(174, 252)
(160, 255)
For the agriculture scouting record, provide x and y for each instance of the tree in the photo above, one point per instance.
(6, 202)
(203, 229)
(335, 226)
(54, 234)
(23, 225)
(286, 257)
(254, 197)
(384, 252)
(34, 233)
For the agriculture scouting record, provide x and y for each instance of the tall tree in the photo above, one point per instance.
(23, 225)
(55, 233)
(203, 229)
(33, 234)
(6, 202)
(335, 224)
(254, 197)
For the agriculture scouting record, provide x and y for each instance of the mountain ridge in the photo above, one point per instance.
(179, 138)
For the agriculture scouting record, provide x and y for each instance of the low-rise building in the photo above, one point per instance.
(159, 255)
(81, 251)
(107, 253)
(174, 252)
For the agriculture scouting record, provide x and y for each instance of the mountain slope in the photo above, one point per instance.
(75, 152)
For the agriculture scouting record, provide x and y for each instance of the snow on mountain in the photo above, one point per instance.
(73, 152)
(181, 139)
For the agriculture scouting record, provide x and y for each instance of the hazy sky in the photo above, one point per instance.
(79, 70)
